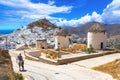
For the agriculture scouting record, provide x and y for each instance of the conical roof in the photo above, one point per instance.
(97, 27)
(62, 32)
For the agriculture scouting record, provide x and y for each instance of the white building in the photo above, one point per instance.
(62, 39)
(7, 46)
(96, 37)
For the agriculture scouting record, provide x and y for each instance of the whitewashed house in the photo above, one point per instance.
(7, 45)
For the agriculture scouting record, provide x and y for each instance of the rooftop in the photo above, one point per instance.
(62, 32)
(97, 27)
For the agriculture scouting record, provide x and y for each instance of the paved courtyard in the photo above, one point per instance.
(92, 62)
(74, 71)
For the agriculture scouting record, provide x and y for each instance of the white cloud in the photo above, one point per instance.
(82, 20)
(27, 8)
(111, 14)
(96, 17)
(51, 2)
(36, 17)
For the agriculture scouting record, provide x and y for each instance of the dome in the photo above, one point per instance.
(97, 27)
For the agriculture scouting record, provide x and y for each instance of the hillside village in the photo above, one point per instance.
(43, 38)
(59, 40)
(28, 36)
(45, 42)
(44, 29)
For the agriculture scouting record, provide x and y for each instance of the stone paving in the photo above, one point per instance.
(92, 62)
(41, 71)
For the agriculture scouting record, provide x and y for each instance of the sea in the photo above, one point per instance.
(2, 32)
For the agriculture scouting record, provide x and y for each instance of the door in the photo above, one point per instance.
(101, 45)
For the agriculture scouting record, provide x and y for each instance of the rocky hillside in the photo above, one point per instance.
(6, 70)
(112, 29)
(42, 23)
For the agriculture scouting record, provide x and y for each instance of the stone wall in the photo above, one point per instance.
(69, 60)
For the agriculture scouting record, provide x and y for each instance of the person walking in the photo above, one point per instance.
(20, 62)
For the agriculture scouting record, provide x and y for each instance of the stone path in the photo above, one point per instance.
(42, 71)
(89, 63)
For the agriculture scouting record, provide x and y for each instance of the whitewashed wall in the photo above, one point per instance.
(63, 40)
(95, 40)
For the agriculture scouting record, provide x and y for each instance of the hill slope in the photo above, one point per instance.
(112, 29)
(42, 23)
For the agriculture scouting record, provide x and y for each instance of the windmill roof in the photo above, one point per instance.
(62, 32)
(97, 27)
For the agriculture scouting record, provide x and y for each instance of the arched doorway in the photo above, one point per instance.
(101, 45)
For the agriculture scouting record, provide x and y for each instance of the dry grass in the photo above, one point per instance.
(53, 55)
(112, 68)
(75, 48)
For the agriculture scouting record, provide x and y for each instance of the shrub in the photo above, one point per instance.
(18, 76)
(89, 50)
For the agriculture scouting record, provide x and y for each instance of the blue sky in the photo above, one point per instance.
(15, 13)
